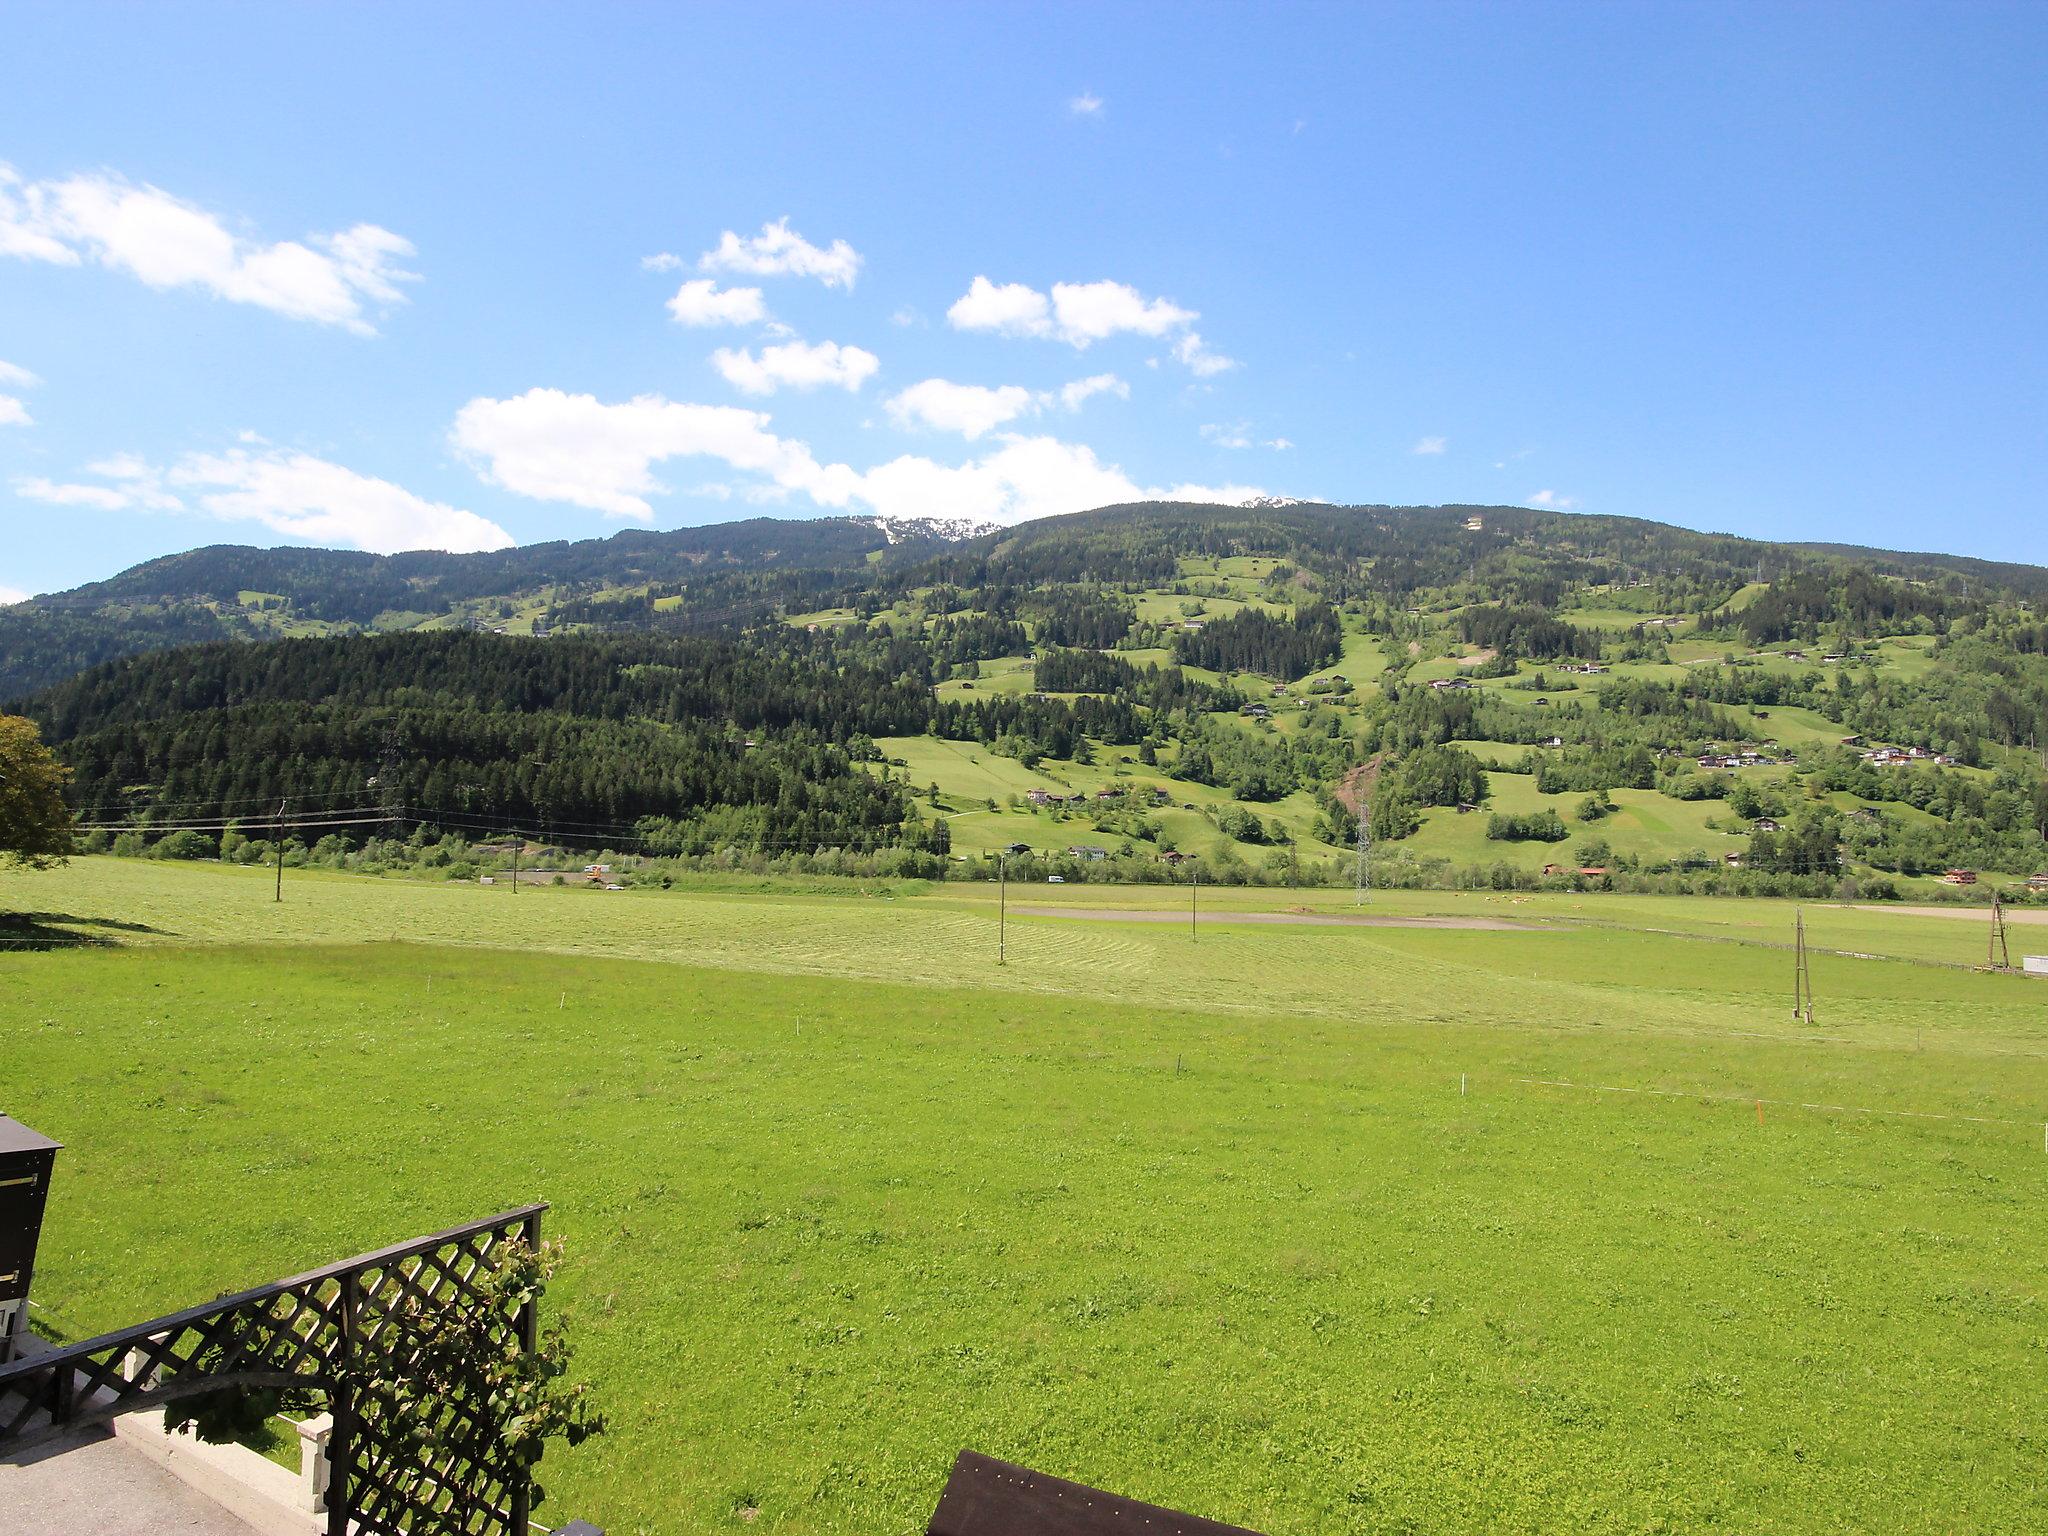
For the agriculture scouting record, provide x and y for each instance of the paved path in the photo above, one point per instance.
(1285, 919)
(99, 1487)
(1982, 915)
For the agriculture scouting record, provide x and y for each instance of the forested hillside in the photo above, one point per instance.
(1513, 696)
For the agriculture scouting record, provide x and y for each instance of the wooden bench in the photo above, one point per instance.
(986, 1497)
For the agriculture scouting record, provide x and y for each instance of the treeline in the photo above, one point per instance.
(546, 773)
(41, 642)
(692, 731)
(1799, 606)
(1528, 632)
(1087, 619)
(1160, 689)
(1253, 640)
(976, 637)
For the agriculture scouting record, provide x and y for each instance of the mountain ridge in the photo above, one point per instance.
(748, 569)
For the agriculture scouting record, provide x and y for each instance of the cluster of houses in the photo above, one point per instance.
(1046, 797)
(1892, 757)
(1748, 757)
(1831, 659)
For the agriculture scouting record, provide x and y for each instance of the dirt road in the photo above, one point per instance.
(1968, 914)
(1281, 919)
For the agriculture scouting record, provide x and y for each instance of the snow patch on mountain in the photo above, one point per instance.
(951, 529)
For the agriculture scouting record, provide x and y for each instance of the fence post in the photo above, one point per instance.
(528, 1324)
(315, 1473)
(340, 1407)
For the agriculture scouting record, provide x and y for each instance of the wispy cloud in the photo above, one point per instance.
(166, 242)
(295, 494)
(797, 364)
(780, 250)
(1552, 500)
(1087, 104)
(1430, 445)
(700, 301)
(554, 446)
(973, 410)
(1240, 435)
(1081, 314)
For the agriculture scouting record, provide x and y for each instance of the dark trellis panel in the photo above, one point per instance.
(316, 1331)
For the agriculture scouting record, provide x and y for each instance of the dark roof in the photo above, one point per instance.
(986, 1497)
(16, 1137)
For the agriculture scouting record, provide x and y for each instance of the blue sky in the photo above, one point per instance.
(392, 276)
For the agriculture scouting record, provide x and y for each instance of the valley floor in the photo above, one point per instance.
(1545, 1215)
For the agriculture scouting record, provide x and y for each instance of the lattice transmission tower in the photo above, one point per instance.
(1364, 875)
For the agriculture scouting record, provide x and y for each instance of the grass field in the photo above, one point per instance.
(1205, 1219)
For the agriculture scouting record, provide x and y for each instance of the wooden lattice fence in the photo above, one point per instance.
(336, 1331)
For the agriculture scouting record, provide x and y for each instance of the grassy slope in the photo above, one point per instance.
(1302, 1283)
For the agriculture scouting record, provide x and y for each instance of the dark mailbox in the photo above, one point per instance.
(26, 1159)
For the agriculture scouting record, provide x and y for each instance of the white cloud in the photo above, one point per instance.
(1011, 309)
(1087, 104)
(661, 261)
(554, 446)
(780, 249)
(168, 243)
(906, 315)
(9, 596)
(103, 498)
(969, 409)
(308, 498)
(1430, 445)
(1090, 312)
(1028, 477)
(798, 364)
(1553, 500)
(1239, 435)
(138, 487)
(12, 412)
(1074, 395)
(1198, 359)
(701, 301)
(975, 409)
(291, 493)
(1081, 314)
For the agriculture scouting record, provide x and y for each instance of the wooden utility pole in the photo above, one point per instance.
(517, 838)
(279, 839)
(1194, 897)
(1003, 907)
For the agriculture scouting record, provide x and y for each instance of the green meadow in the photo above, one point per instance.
(1547, 1218)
